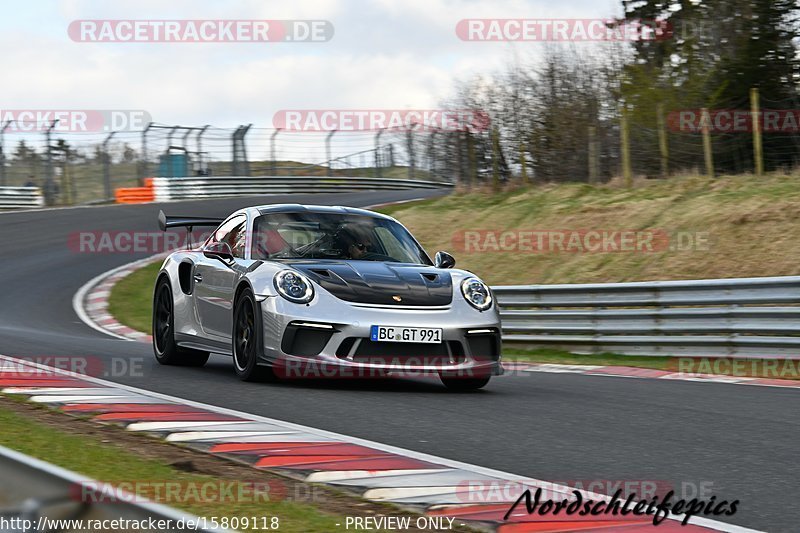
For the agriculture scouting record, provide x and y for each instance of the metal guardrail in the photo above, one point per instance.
(744, 317)
(21, 197)
(167, 189)
(30, 489)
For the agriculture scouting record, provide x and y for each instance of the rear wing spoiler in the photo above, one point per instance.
(166, 222)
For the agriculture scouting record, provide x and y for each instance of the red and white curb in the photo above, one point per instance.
(91, 302)
(378, 472)
(647, 373)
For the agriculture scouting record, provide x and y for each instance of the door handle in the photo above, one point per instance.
(198, 278)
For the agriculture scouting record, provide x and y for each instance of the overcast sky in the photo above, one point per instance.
(386, 54)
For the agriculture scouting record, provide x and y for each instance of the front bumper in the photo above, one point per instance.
(330, 338)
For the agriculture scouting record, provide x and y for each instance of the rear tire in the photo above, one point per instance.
(464, 384)
(246, 339)
(166, 350)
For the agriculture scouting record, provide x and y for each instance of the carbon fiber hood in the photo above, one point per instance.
(374, 282)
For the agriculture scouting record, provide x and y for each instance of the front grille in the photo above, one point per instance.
(484, 346)
(369, 351)
(304, 341)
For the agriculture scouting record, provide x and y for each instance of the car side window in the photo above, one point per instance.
(237, 238)
(232, 232)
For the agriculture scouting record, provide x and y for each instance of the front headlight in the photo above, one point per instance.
(294, 286)
(476, 293)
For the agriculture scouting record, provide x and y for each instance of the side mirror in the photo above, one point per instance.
(444, 260)
(219, 250)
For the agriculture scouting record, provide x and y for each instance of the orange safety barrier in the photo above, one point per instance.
(136, 195)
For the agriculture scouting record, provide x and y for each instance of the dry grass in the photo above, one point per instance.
(750, 225)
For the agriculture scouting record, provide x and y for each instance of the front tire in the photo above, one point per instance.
(166, 350)
(247, 339)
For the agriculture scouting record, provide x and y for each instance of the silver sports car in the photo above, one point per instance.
(311, 291)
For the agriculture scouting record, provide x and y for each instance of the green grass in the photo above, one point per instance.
(131, 300)
(742, 220)
(90, 456)
(565, 358)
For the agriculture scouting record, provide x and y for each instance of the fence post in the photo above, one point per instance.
(472, 176)
(143, 162)
(241, 165)
(378, 161)
(2, 154)
(495, 158)
(202, 164)
(663, 147)
(328, 151)
(758, 153)
(107, 166)
(705, 121)
(410, 150)
(593, 166)
(432, 153)
(627, 174)
(523, 163)
(272, 166)
(49, 184)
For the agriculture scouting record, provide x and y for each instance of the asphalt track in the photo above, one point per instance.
(739, 442)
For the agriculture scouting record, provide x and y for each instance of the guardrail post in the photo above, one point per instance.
(328, 151)
(758, 153)
(107, 166)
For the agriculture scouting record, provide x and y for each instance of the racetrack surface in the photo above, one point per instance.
(739, 441)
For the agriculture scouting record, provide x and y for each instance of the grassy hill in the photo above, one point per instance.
(731, 226)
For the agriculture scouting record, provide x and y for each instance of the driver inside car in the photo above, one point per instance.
(356, 242)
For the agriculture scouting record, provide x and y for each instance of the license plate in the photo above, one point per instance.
(398, 334)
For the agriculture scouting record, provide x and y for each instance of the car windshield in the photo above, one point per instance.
(309, 235)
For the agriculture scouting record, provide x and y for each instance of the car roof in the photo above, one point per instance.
(301, 208)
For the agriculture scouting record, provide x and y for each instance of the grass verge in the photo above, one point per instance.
(111, 454)
(131, 299)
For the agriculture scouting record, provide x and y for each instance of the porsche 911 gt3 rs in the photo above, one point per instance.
(298, 290)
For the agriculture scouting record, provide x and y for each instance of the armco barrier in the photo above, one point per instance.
(21, 197)
(35, 487)
(167, 189)
(744, 317)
